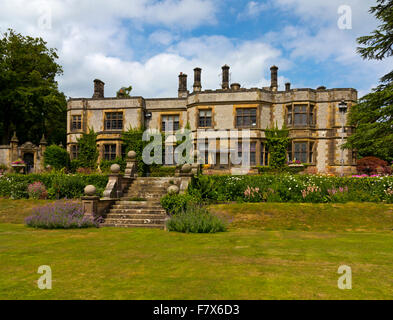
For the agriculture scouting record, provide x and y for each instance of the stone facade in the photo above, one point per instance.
(312, 115)
(32, 155)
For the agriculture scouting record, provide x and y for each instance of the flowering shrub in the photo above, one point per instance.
(60, 215)
(18, 162)
(291, 188)
(389, 195)
(294, 162)
(58, 185)
(37, 190)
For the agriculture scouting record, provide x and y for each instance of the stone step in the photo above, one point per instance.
(136, 216)
(117, 225)
(135, 221)
(138, 211)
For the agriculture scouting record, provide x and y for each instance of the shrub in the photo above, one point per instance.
(57, 157)
(162, 171)
(373, 165)
(60, 215)
(105, 165)
(174, 203)
(87, 150)
(37, 190)
(195, 219)
(58, 184)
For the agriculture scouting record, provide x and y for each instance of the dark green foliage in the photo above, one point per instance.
(162, 171)
(105, 165)
(132, 140)
(124, 92)
(30, 102)
(284, 169)
(59, 185)
(88, 152)
(277, 142)
(196, 219)
(174, 203)
(373, 117)
(56, 157)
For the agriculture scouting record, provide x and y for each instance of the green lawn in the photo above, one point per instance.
(264, 255)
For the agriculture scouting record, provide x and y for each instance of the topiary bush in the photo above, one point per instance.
(57, 157)
(195, 219)
(373, 165)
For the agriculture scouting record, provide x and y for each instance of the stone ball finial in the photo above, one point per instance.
(131, 155)
(90, 190)
(173, 189)
(115, 168)
(186, 168)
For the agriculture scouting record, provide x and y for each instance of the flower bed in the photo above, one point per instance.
(57, 185)
(60, 215)
(293, 188)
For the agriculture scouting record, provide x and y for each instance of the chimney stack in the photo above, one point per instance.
(288, 86)
(197, 80)
(273, 77)
(98, 89)
(225, 77)
(182, 93)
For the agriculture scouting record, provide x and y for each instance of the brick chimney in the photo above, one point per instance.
(197, 80)
(225, 77)
(182, 92)
(98, 89)
(288, 86)
(273, 78)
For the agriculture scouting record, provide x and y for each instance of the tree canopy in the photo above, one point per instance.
(30, 102)
(373, 115)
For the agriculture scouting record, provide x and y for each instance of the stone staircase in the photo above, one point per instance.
(140, 205)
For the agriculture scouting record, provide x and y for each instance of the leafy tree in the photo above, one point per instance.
(57, 157)
(30, 102)
(373, 115)
(87, 150)
(124, 92)
(132, 139)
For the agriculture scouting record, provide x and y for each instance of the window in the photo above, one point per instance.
(253, 153)
(246, 118)
(170, 123)
(109, 151)
(114, 121)
(300, 115)
(264, 155)
(205, 118)
(74, 151)
(203, 148)
(76, 123)
(302, 151)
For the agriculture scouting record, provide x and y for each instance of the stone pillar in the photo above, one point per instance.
(90, 202)
(14, 147)
(225, 77)
(274, 78)
(182, 92)
(113, 189)
(98, 89)
(197, 80)
(132, 165)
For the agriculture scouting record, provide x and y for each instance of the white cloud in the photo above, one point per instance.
(253, 9)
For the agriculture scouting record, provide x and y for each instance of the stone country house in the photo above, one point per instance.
(312, 115)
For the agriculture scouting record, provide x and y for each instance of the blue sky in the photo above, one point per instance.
(147, 43)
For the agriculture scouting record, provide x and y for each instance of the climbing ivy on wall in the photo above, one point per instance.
(132, 139)
(277, 142)
(87, 150)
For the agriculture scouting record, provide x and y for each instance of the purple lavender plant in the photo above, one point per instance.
(60, 215)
